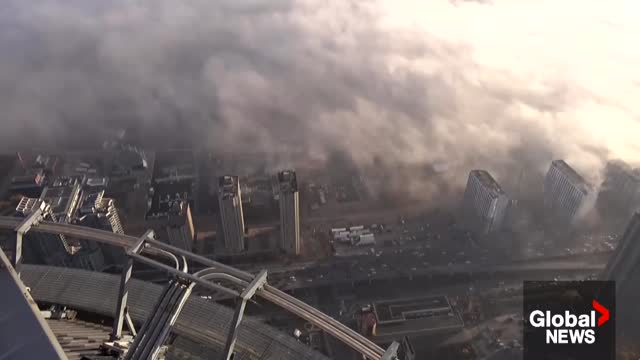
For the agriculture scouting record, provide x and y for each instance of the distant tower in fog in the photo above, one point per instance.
(485, 203)
(231, 216)
(620, 191)
(565, 192)
(289, 212)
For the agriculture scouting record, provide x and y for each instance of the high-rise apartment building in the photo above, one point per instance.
(68, 202)
(180, 229)
(565, 192)
(485, 203)
(289, 212)
(231, 215)
(101, 213)
(39, 247)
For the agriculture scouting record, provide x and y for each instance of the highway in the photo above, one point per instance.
(343, 333)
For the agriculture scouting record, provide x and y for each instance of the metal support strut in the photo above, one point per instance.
(31, 220)
(257, 283)
(121, 312)
(392, 352)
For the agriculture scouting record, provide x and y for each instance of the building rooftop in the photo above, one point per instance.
(79, 338)
(288, 181)
(26, 205)
(33, 177)
(202, 322)
(573, 176)
(167, 198)
(420, 315)
(175, 173)
(130, 158)
(97, 182)
(63, 199)
(90, 201)
(228, 186)
(47, 162)
(487, 181)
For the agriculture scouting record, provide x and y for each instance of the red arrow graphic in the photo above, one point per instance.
(604, 312)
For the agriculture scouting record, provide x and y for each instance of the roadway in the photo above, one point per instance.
(345, 334)
(355, 270)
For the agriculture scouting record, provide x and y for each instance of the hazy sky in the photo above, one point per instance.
(479, 83)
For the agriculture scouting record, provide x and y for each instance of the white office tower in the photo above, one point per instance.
(566, 193)
(231, 216)
(289, 212)
(485, 203)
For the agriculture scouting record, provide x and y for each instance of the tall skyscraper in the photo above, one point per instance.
(63, 197)
(485, 203)
(180, 229)
(231, 216)
(68, 202)
(43, 248)
(101, 213)
(565, 192)
(289, 212)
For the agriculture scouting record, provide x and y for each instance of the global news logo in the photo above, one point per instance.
(569, 320)
(568, 328)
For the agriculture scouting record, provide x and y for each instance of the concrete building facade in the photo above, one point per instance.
(289, 212)
(485, 203)
(101, 213)
(180, 229)
(231, 215)
(565, 192)
(67, 201)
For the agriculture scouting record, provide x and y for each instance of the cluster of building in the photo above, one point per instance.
(73, 200)
(232, 223)
(354, 235)
(170, 199)
(36, 172)
(566, 196)
(163, 188)
(74, 190)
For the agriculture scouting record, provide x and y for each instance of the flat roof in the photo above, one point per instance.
(415, 315)
(410, 308)
(288, 181)
(487, 181)
(571, 174)
(228, 186)
(167, 198)
(62, 199)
